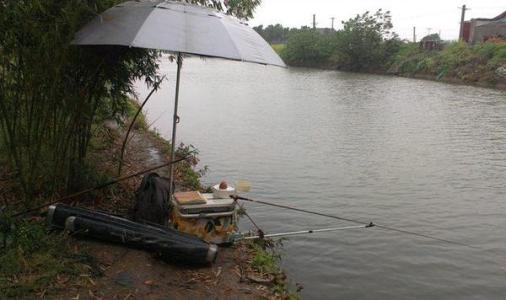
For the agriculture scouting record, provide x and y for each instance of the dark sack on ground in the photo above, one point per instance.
(151, 200)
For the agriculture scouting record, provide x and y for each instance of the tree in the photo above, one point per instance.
(273, 34)
(364, 41)
(306, 47)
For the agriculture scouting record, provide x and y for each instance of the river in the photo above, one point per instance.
(419, 155)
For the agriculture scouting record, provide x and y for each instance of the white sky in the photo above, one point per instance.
(438, 15)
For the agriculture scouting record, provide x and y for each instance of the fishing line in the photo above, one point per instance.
(368, 224)
(99, 187)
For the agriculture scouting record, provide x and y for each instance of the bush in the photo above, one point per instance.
(307, 48)
(454, 55)
(499, 57)
(364, 44)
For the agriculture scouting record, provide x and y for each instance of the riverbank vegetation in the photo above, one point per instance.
(367, 43)
(480, 63)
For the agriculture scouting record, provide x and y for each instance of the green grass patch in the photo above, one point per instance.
(266, 260)
(278, 48)
(38, 262)
(140, 122)
(456, 60)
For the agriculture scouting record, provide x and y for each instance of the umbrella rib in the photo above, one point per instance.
(233, 42)
(133, 43)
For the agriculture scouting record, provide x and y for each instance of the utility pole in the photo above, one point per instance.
(332, 23)
(414, 34)
(462, 18)
(314, 21)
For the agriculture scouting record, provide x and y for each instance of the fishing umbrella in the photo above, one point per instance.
(179, 28)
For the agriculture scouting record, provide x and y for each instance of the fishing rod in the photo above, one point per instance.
(370, 224)
(101, 186)
(283, 234)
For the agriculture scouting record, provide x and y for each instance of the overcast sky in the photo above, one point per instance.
(438, 15)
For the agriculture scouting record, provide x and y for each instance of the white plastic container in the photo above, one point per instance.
(223, 193)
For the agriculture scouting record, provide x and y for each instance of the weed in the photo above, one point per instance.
(36, 261)
(266, 260)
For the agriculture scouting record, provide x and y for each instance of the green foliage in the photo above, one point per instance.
(499, 56)
(34, 260)
(454, 55)
(140, 122)
(186, 170)
(365, 43)
(279, 48)
(53, 92)
(456, 60)
(265, 261)
(306, 47)
(274, 34)
(243, 9)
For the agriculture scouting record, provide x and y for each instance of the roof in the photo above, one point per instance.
(431, 38)
(500, 21)
(497, 18)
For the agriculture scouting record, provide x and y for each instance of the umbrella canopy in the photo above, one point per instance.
(180, 28)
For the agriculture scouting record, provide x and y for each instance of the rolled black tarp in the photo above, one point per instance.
(168, 243)
(58, 214)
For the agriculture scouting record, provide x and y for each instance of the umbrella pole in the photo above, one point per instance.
(174, 125)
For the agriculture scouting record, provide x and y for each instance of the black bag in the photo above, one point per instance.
(152, 200)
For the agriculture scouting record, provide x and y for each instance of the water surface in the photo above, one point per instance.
(419, 155)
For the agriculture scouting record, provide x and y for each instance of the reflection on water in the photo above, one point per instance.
(420, 155)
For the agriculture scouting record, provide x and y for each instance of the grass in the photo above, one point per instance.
(38, 263)
(266, 260)
(132, 108)
(278, 48)
(456, 60)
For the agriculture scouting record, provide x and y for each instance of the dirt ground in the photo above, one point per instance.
(136, 274)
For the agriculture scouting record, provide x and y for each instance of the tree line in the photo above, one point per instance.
(367, 43)
(364, 43)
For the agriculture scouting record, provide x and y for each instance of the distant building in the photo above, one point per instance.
(431, 42)
(481, 29)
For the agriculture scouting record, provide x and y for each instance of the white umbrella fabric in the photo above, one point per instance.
(180, 28)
